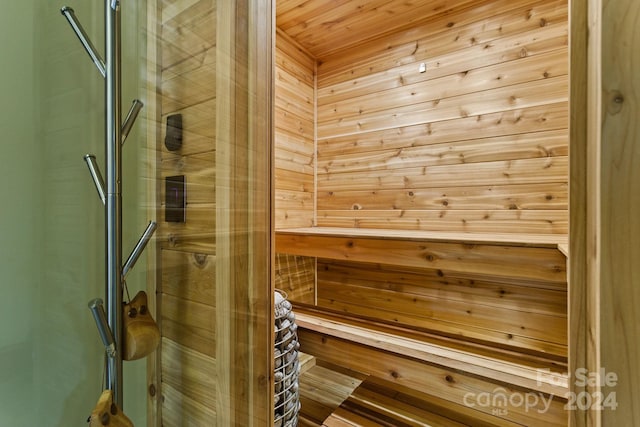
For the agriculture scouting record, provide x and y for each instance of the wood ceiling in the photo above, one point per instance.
(324, 27)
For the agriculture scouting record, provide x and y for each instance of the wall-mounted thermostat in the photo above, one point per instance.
(175, 199)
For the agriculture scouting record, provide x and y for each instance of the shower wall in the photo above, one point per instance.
(21, 206)
(52, 250)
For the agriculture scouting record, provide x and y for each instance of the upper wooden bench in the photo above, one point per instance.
(521, 257)
(426, 360)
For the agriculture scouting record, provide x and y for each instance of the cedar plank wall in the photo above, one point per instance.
(186, 294)
(523, 315)
(294, 123)
(295, 161)
(477, 143)
(502, 167)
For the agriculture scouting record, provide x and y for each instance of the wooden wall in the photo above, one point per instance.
(296, 275)
(476, 143)
(295, 160)
(295, 134)
(216, 359)
(521, 314)
(187, 251)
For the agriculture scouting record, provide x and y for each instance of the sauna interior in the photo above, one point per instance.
(420, 210)
(421, 213)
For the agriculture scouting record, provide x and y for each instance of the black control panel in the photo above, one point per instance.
(176, 199)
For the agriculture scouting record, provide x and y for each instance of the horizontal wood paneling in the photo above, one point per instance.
(429, 148)
(197, 234)
(188, 275)
(187, 31)
(548, 91)
(189, 372)
(511, 147)
(179, 410)
(520, 171)
(518, 316)
(296, 275)
(188, 302)
(482, 26)
(490, 197)
(542, 298)
(412, 89)
(326, 27)
(505, 123)
(189, 313)
(294, 134)
(193, 337)
(187, 261)
(199, 172)
(294, 161)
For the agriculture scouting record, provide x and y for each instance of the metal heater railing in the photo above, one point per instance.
(110, 191)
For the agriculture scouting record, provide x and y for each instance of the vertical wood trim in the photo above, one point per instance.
(315, 142)
(262, 208)
(581, 279)
(244, 195)
(225, 71)
(315, 171)
(620, 205)
(593, 220)
(153, 123)
(605, 199)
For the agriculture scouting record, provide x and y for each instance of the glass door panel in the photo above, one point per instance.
(52, 222)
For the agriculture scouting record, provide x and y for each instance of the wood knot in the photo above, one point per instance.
(616, 101)
(200, 259)
(449, 379)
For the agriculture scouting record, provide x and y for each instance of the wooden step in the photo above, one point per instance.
(307, 362)
(322, 390)
(376, 402)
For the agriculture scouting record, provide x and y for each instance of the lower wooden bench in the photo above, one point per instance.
(464, 375)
